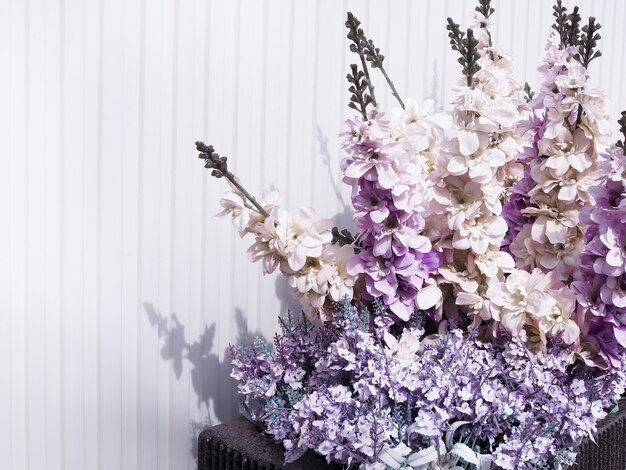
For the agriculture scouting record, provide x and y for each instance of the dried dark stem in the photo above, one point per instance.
(368, 52)
(373, 55)
(529, 93)
(342, 238)
(484, 8)
(470, 61)
(219, 168)
(359, 99)
(465, 44)
(579, 115)
(561, 21)
(622, 123)
(588, 42)
(567, 25)
(587, 51)
(573, 28)
(456, 35)
(356, 35)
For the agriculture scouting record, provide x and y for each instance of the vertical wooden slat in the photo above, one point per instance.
(52, 226)
(18, 145)
(73, 290)
(183, 98)
(5, 238)
(91, 183)
(131, 313)
(198, 412)
(36, 360)
(111, 225)
(148, 238)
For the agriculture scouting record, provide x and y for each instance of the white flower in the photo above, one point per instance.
(563, 258)
(264, 244)
(494, 263)
(478, 168)
(394, 457)
(568, 156)
(460, 200)
(244, 216)
(405, 348)
(556, 315)
(429, 296)
(444, 455)
(340, 283)
(234, 204)
(574, 77)
(477, 304)
(479, 233)
(300, 236)
(555, 222)
(522, 294)
(468, 281)
(573, 186)
(323, 277)
(313, 277)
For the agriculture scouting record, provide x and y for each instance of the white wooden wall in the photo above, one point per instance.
(119, 290)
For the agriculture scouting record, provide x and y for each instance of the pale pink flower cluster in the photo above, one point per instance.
(561, 165)
(299, 245)
(474, 167)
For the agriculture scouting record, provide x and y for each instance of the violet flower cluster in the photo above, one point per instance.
(360, 395)
(386, 169)
(561, 165)
(600, 280)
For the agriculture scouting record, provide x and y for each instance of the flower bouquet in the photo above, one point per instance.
(477, 319)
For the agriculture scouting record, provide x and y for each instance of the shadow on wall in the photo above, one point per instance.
(322, 142)
(210, 377)
(344, 218)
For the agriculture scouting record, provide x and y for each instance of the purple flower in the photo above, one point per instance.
(359, 396)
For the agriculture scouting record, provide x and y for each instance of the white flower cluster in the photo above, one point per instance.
(562, 164)
(476, 165)
(534, 305)
(299, 245)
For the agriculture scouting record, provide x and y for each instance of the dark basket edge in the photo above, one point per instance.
(610, 438)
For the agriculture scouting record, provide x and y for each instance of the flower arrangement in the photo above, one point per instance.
(478, 317)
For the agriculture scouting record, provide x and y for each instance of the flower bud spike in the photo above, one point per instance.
(220, 169)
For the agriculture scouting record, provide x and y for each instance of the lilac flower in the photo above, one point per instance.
(600, 282)
(395, 257)
(355, 395)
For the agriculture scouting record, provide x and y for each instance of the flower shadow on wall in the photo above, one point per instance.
(327, 159)
(210, 376)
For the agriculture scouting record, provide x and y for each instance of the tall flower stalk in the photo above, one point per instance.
(475, 166)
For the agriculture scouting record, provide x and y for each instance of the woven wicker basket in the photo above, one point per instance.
(238, 445)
